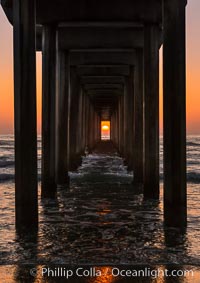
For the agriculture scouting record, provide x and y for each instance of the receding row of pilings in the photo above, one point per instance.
(71, 115)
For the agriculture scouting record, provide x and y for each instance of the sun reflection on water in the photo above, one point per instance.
(104, 212)
(106, 276)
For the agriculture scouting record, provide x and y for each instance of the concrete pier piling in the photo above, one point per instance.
(48, 111)
(151, 112)
(175, 195)
(138, 123)
(62, 121)
(24, 19)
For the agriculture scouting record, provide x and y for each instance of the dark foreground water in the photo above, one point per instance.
(101, 220)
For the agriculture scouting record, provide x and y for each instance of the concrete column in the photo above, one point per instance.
(87, 105)
(129, 116)
(83, 121)
(48, 111)
(62, 119)
(93, 127)
(90, 126)
(151, 101)
(113, 126)
(112, 121)
(122, 126)
(99, 127)
(175, 195)
(138, 119)
(26, 206)
(117, 128)
(74, 114)
(126, 119)
(79, 144)
(96, 127)
(119, 125)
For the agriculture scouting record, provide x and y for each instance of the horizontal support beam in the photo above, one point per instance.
(51, 11)
(102, 79)
(96, 50)
(95, 58)
(104, 102)
(103, 86)
(102, 24)
(104, 92)
(99, 37)
(110, 70)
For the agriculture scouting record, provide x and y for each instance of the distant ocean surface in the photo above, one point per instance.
(7, 158)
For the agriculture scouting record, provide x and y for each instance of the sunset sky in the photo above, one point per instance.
(193, 73)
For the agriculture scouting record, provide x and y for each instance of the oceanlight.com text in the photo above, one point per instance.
(64, 272)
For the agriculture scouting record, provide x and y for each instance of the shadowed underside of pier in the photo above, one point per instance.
(100, 62)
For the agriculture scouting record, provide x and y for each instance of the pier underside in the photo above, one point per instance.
(100, 64)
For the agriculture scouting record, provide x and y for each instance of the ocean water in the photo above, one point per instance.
(7, 158)
(100, 219)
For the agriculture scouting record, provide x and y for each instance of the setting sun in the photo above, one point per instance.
(105, 128)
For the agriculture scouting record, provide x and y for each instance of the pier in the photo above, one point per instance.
(100, 62)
